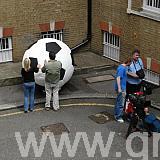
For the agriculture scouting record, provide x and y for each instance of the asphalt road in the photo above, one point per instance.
(18, 130)
(22, 137)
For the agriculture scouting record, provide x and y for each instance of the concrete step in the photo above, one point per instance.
(87, 70)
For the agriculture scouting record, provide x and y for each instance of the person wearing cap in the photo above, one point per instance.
(52, 77)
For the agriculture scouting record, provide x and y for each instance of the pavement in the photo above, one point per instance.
(88, 65)
(22, 137)
(89, 92)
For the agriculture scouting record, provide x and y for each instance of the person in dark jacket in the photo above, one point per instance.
(29, 84)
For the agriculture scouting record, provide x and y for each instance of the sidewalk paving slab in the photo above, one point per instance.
(11, 90)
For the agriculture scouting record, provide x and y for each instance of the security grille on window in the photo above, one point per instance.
(5, 49)
(111, 46)
(152, 77)
(53, 34)
(151, 6)
(153, 3)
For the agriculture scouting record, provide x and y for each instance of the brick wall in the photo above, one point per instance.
(26, 15)
(137, 32)
(137, 5)
(113, 11)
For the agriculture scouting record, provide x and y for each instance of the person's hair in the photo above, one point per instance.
(27, 64)
(127, 60)
(52, 55)
(136, 51)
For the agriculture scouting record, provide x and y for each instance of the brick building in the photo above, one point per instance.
(25, 21)
(118, 26)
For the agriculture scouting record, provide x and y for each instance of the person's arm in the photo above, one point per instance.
(43, 69)
(22, 72)
(134, 75)
(119, 87)
(119, 84)
(131, 73)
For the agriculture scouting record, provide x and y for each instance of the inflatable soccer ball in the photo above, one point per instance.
(39, 51)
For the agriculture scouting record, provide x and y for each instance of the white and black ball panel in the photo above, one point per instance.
(62, 52)
(53, 47)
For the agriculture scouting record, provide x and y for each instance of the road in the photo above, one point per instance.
(16, 128)
(90, 130)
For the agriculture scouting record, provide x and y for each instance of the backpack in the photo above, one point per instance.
(153, 121)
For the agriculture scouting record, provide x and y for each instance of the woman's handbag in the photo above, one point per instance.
(140, 73)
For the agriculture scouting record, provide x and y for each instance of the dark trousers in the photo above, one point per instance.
(132, 88)
(133, 124)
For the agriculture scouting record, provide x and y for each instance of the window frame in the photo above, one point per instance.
(111, 39)
(111, 44)
(149, 8)
(57, 34)
(6, 49)
(5, 43)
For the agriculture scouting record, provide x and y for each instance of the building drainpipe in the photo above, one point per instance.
(89, 28)
(89, 33)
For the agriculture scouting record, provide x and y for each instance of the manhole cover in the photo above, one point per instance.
(56, 129)
(101, 117)
(99, 78)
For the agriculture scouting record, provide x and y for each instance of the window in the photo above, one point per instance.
(152, 5)
(5, 49)
(53, 34)
(152, 77)
(111, 46)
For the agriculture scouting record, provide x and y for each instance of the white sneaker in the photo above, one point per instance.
(56, 109)
(120, 120)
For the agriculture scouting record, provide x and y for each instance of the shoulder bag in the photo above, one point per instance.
(140, 73)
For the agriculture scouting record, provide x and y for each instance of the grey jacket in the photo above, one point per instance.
(52, 71)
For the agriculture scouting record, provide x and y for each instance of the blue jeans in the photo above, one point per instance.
(29, 90)
(119, 105)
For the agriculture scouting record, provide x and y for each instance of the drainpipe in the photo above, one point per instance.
(89, 33)
(89, 28)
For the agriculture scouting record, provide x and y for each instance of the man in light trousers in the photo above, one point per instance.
(52, 78)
